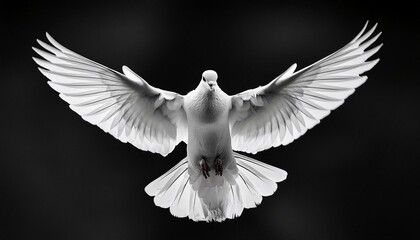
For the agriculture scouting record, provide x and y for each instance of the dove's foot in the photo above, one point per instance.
(218, 166)
(205, 169)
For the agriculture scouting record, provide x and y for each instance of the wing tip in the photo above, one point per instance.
(43, 71)
(149, 191)
(130, 74)
(38, 41)
(363, 34)
(49, 36)
(289, 71)
(375, 61)
(37, 50)
(37, 60)
(360, 33)
(52, 85)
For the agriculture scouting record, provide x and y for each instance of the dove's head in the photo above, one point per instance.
(209, 79)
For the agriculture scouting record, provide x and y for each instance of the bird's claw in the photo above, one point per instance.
(205, 169)
(218, 166)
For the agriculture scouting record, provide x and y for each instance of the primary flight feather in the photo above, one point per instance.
(213, 182)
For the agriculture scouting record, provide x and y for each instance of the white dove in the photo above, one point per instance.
(213, 182)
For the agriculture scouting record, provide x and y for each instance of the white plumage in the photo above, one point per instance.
(213, 182)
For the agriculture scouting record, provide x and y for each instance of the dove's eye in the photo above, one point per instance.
(204, 79)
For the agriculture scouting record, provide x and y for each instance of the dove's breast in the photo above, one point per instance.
(208, 125)
(208, 107)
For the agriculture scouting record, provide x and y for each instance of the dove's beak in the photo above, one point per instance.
(212, 84)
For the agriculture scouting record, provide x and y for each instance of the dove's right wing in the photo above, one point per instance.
(124, 105)
(281, 111)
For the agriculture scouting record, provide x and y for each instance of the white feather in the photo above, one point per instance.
(294, 102)
(216, 198)
(152, 119)
(123, 105)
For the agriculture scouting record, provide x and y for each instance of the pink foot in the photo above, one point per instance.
(218, 166)
(205, 169)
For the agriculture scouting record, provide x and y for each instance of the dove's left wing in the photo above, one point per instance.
(281, 111)
(124, 105)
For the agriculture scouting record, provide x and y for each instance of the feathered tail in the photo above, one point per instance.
(218, 197)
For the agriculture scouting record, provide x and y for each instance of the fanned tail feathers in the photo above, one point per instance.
(218, 197)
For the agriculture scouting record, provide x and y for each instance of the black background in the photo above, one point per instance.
(354, 176)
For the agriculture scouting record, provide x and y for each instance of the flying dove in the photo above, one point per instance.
(213, 182)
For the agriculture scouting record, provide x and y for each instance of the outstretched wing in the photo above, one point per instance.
(124, 105)
(284, 109)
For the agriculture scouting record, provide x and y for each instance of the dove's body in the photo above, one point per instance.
(213, 182)
(208, 127)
